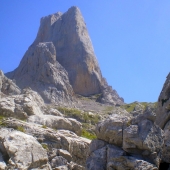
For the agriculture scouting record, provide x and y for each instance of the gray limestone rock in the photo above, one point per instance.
(22, 105)
(163, 107)
(112, 157)
(61, 139)
(74, 49)
(148, 114)
(64, 39)
(65, 154)
(7, 86)
(111, 129)
(57, 122)
(96, 144)
(24, 150)
(128, 162)
(109, 96)
(166, 146)
(40, 71)
(145, 139)
(58, 161)
(97, 159)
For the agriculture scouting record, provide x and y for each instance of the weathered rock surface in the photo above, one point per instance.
(148, 114)
(23, 150)
(57, 122)
(40, 71)
(64, 39)
(127, 143)
(7, 86)
(74, 49)
(109, 96)
(145, 139)
(119, 159)
(111, 157)
(163, 108)
(111, 129)
(60, 139)
(166, 146)
(22, 105)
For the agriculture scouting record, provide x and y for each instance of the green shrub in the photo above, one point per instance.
(88, 135)
(130, 107)
(108, 109)
(1, 121)
(20, 128)
(129, 123)
(45, 146)
(44, 126)
(83, 117)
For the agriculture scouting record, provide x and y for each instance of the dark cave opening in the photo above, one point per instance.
(164, 166)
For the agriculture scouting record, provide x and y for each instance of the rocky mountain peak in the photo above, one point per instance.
(62, 41)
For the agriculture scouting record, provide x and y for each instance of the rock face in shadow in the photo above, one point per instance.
(62, 60)
(163, 109)
(163, 118)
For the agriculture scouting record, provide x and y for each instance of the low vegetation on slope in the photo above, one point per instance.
(87, 119)
(132, 106)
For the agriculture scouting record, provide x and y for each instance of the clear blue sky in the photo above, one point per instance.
(131, 39)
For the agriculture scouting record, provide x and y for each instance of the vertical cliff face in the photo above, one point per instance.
(70, 55)
(74, 49)
(163, 108)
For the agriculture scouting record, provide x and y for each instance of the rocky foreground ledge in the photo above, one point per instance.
(140, 141)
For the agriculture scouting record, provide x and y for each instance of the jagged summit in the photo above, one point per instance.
(74, 51)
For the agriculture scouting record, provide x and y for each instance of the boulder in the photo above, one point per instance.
(96, 144)
(57, 122)
(24, 151)
(23, 105)
(112, 157)
(65, 154)
(58, 161)
(111, 129)
(148, 114)
(97, 159)
(145, 139)
(61, 139)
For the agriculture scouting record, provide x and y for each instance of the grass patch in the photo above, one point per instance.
(108, 109)
(1, 117)
(44, 126)
(45, 146)
(83, 117)
(130, 107)
(129, 123)
(88, 135)
(1, 121)
(20, 128)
